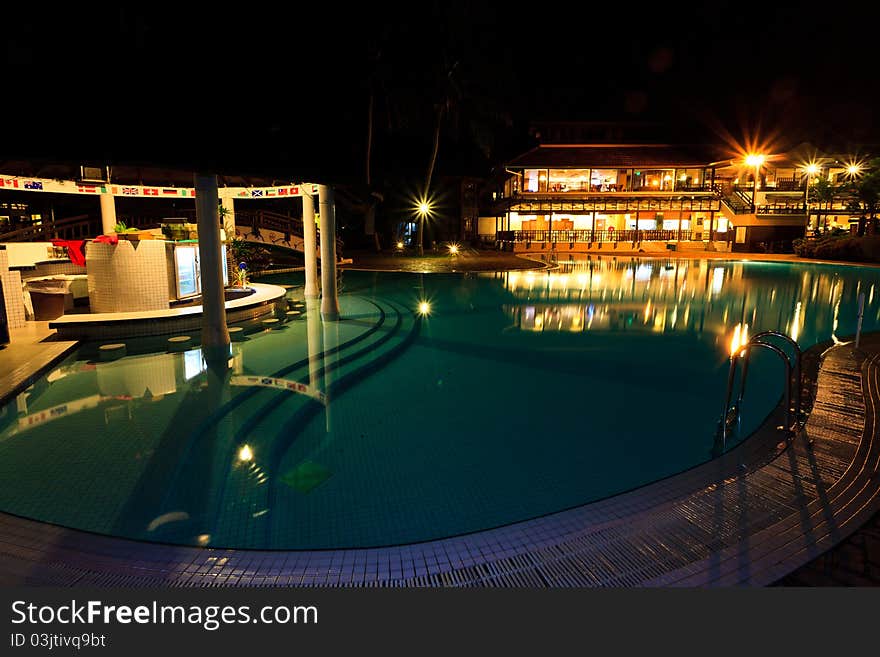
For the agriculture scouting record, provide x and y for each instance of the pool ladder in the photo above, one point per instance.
(730, 416)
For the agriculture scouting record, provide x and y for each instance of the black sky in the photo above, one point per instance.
(263, 89)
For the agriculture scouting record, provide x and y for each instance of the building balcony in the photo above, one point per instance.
(539, 202)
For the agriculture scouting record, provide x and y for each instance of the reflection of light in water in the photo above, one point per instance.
(834, 323)
(582, 280)
(871, 295)
(674, 317)
(796, 322)
(193, 363)
(735, 341)
(647, 310)
(245, 453)
(717, 279)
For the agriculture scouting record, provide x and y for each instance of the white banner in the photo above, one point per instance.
(20, 183)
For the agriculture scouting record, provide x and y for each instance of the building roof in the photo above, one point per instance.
(564, 156)
(129, 174)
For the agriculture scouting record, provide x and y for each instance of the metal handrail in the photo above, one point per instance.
(792, 365)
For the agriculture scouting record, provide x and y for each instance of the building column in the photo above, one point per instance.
(108, 213)
(214, 332)
(310, 246)
(329, 298)
(228, 218)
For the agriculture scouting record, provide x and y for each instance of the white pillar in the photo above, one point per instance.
(214, 331)
(310, 246)
(228, 205)
(329, 298)
(108, 213)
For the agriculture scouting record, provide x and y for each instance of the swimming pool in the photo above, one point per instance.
(519, 394)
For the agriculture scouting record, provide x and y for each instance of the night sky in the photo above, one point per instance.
(285, 90)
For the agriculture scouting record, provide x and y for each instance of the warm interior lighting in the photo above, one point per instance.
(245, 454)
(424, 308)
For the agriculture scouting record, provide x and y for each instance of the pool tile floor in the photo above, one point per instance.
(720, 524)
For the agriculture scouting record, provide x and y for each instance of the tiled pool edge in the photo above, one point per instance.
(656, 535)
(34, 366)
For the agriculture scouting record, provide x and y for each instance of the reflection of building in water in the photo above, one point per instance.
(663, 296)
(119, 383)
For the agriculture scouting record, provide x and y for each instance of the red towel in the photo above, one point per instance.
(107, 239)
(74, 250)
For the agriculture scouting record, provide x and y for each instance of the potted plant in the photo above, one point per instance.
(132, 234)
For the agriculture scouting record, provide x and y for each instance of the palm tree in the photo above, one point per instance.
(445, 104)
(865, 197)
(823, 191)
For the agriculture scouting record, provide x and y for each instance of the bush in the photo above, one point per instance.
(840, 246)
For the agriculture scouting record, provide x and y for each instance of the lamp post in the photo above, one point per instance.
(755, 160)
(423, 209)
(810, 169)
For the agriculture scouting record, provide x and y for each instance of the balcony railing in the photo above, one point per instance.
(610, 203)
(782, 208)
(589, 236)
(585, 190)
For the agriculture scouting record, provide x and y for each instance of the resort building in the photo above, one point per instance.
(649, 196)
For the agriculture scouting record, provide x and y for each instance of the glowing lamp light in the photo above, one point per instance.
(754, 159)
(245, 454)
(811, 169)
(424, 308)
(853, 169)
(400, 245)
(453, 249)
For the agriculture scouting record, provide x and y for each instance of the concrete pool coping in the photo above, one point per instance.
(716, 524)
(104, 326)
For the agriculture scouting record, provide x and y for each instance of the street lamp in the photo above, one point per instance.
(755, 160)
(810, 169)
(853, 169)
(423, 209)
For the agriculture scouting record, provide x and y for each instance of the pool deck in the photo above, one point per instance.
(28, 355)
(749, 518)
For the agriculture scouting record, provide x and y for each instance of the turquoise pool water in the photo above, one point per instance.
(518, 395)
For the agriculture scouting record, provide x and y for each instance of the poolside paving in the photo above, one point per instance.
(29, 353)
(750, 517)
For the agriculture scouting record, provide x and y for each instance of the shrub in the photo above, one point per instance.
(840, 246)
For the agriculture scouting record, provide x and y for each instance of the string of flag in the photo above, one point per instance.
(73, 187)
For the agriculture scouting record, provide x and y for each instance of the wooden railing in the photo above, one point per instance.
(70, 228)
(588, 236)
